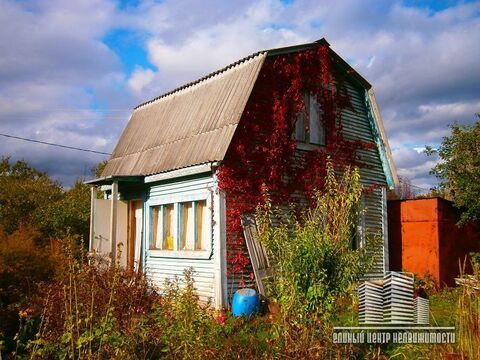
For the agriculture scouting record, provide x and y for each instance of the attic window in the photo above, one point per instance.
(312, 132)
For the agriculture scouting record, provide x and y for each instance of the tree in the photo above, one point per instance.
(403, 191)
(68, 215)
(98, 169)
(459, 168)
(23, 192)
(29, 196)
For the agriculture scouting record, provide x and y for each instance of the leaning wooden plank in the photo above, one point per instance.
(258, 256)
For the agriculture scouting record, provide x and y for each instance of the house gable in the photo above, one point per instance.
(195, 124)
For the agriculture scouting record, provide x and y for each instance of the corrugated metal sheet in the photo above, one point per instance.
(356, 126)
(190, 126)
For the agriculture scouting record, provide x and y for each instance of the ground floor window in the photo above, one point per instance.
(181, 226)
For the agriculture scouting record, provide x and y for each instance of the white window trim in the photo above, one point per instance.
(175, 199)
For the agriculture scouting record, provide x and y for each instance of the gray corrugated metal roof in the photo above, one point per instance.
(191, 125)
(195, 123)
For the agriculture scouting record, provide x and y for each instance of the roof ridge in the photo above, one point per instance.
(272, 51)
(203, 78)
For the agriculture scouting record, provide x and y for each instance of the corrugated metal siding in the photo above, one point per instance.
(374, 227)
(191, 126)
(238, 280)
(356, 126)
(158, 269)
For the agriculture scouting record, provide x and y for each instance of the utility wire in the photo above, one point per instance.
(52, 144)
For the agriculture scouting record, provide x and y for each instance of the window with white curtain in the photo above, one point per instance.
(182, 226)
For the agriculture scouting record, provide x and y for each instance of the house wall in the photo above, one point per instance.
(160, 266)
(101, 243)
(357, 126)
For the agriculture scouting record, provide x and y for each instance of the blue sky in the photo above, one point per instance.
(70, 72)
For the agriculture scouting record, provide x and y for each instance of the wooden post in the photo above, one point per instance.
(93, 196)
(220, 248)
(113, 221)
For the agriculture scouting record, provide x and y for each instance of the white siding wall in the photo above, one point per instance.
(159, 267)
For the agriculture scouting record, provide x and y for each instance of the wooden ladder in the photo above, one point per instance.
(258, 256)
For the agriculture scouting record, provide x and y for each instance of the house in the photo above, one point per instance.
(194, 159)
(424, 239)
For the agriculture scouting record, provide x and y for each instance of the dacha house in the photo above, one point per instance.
(193, 160)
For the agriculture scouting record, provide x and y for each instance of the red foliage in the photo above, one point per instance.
(262, 156)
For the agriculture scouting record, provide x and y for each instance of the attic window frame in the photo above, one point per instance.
(178, 202)
(306, 143)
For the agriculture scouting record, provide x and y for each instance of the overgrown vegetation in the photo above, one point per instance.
(25, 266)
(315, 263)
(58, 303)
(35, 213)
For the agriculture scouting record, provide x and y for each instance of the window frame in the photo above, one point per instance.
(177, 200)
(306, 143)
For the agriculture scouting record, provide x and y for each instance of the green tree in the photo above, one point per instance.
(459, 168)
(29, 196)
(23, 192)
(68, 215)
(98, 169)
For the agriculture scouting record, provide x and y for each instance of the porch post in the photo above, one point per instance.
(220, 248)
(113, 221)
(93, 196)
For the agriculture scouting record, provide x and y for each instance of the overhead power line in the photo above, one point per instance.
(53, 144)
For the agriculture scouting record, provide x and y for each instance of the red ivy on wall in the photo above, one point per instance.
(263, 157)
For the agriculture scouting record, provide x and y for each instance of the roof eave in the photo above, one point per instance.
(107, 180)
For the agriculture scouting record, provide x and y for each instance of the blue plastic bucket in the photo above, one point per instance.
(245, 302)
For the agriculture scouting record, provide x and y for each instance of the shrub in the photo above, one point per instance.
(91, 308)
(313, 256)
(468, 316)
(24, 269)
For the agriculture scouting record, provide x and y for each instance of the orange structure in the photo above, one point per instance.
(424, 239)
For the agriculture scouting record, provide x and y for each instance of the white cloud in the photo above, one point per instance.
(140, 78)
(218, 44)
(52, 62)
(424, 66)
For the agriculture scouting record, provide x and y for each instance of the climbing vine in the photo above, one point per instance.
(263, 158)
